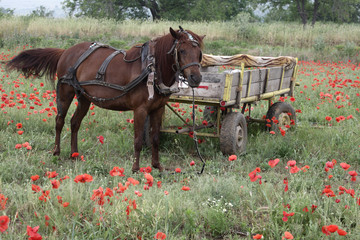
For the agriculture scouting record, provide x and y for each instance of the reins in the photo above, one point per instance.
(194, 134)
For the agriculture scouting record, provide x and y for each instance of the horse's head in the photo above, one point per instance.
(187, 55)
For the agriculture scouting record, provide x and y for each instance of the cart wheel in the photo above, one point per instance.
(146, 134)
(284, 113)
(210, 113)
(233, 135)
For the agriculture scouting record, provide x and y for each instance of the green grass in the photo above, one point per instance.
(222, 203)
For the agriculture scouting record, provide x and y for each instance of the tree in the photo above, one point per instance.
(156, 9)
(42, 12)
(6, 12)
(314, 10)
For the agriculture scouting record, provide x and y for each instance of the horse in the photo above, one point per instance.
(140, 79)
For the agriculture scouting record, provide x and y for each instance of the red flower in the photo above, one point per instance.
(232, 157)
(18, 146)
(325, 231)
(75, 154)
(292, 99)
(305, 209)
(341, 232)
(160, 235)
(51, 174)
(35, 177)
(286, 215)
(83, 178)
(353, 173)
(205, 123)
(35, 188)
(65, 204)
(55, 184)
(332, 228)
(328, 118)
(192, 163)
(178, 170)
(32, 233)
(4, 223)
(345, 166)
(291, 163)
(3, 200)
(101, 139)
(19, 125)
(116, 171)
(287, 235)
(133, 181)
(258, 236)
(20, 132)
(313, 208)
(149, 178)
(273, 163)
(185, 188)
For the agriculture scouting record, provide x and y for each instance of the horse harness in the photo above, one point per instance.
(148, 71)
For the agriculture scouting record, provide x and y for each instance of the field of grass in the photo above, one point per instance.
(307, 191)
(325, 41)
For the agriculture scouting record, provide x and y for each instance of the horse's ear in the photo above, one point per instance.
(202, 37)
(174, 33)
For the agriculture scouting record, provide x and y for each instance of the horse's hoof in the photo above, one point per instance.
(56, 153)
(135, 168)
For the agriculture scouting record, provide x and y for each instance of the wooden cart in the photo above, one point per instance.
(257, 78)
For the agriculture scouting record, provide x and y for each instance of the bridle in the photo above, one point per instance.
(179, 70)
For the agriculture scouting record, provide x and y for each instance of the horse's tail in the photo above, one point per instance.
(37, 62)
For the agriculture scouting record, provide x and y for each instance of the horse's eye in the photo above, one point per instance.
(182, 51)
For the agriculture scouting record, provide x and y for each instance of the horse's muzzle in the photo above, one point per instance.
(194, 80)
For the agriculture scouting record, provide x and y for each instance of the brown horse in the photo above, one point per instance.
(140, 79)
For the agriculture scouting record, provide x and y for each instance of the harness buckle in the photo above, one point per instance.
(150, 85)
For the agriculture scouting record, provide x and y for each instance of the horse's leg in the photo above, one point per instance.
(139, 121)
(155, 123)
(80, 112)
(64, 96)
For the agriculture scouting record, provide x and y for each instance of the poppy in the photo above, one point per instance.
(101, 139)
(178, 170)
(149, 178)
(55, 184)
(32, 233)
(273, 163)
(291, 163)
(328, 118)
(3, 200)
(185, 188)
(192, 163)
(4, 223)
(35, 177)
(332, 228)
(258, 236)
(35, 188)
(133, 181)
(18, 146)
(287, 235)
(20, 132)
(325, 231)
(160, 235)
(345, 166)
(75, 154)
(232, 158)
(341, 232)
(19, 125)
(116, 171)
(51, 174)
(83, 178)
